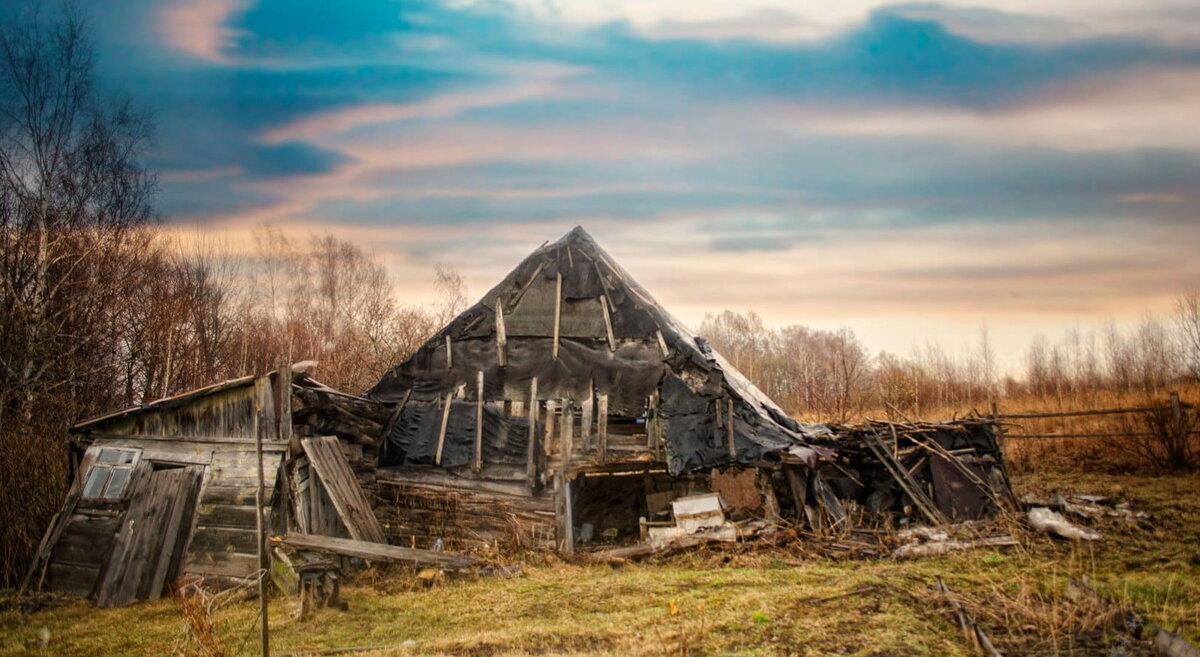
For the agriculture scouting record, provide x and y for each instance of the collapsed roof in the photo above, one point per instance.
(577, 322)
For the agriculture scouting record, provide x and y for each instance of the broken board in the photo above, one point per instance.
(326, 458)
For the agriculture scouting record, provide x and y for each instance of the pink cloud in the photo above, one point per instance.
(198, 27)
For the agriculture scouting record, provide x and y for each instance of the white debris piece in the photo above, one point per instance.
(1050, 522)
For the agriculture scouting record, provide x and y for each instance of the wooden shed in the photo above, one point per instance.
(171, 488)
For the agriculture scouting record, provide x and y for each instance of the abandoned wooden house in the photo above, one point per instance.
(565, 405)
(566, 408)
(169, 488)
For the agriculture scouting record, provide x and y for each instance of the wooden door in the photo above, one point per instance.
(148, 551)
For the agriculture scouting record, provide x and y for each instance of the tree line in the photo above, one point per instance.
(831, 376)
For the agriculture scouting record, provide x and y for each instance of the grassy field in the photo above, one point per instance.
(720, 602)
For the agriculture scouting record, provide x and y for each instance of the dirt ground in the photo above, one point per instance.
(721, 602)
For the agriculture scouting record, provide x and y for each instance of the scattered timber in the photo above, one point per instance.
(379, 551)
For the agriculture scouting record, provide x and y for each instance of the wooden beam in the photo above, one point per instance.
(729, 437)
(557, 310)
(501, 336)
(478, 462)
(378, 551)
(437, 459)
(612, 341)
(662, 344)
(531, 461)
(602, 426)
(565, 525)
(449, 354)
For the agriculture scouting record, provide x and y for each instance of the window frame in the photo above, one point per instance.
(109, 469)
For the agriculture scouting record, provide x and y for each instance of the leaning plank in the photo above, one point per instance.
(352, 507)
(378, 551)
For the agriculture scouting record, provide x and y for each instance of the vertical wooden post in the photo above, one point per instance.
(729, 430)
(770, 501)
(477, 465)
(567, 431)
(449, 354)
(602, 426)
(264, 636)
(557, 310)
(652, 422)
(566, 525)
(585, 422)
(531, 459)
(553, 431)
(501, 336)
(437, 459)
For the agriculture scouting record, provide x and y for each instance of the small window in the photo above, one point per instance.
(110, 474)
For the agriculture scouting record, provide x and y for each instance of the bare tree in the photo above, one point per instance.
(74, 201)
(1187, 322)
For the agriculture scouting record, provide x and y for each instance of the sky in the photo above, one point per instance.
(911, 170)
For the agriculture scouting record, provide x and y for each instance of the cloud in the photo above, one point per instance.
(775, 20)
(200, 28)
(441, 106)
(1152, 108)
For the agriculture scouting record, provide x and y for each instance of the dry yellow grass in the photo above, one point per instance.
(718, 603)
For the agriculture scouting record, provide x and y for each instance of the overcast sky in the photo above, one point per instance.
(909, 170)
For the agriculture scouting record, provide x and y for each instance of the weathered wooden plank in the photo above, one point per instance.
(220, 493)
(531, 456)
(585, 422)
(131, 569)
(729, 435)
(71, 578)
(220, 540)
(378, 551)
(441, 443)
(224, 564)
(612, 341)
(236, 516)
(557, 312)
(477, 461)
(602, 426)
(501, 336)
(176, 532)
(449, 354)
(567, 430)
(325, 457)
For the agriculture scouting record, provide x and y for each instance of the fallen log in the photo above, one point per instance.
(1052, 523)
(378, 551)
(643, 550)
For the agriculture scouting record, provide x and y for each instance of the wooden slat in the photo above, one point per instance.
(557, 312)
(585, 423)
(662, 344)
(602, 426)
(729, 434)
(378, 551)
(441, 443)
(612, 341)
(326, 458)
(449, 354)
(501, 336)
(477, 461)
(567, 430)
(531, 463)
